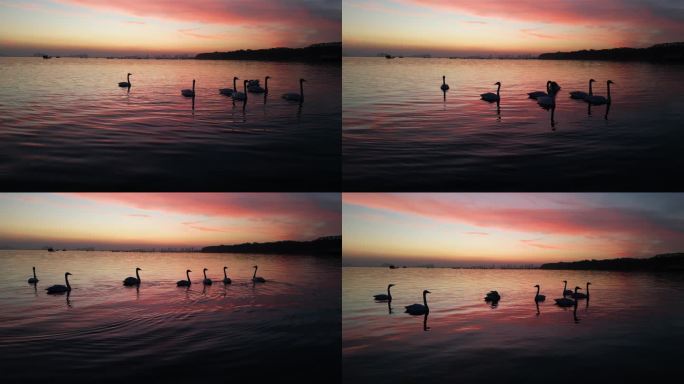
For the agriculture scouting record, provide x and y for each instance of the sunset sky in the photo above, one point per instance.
(483, 229)
(465, 27)
(153, 220)
(126, 27)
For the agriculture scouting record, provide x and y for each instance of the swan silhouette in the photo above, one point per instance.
(255, 278)
(579, 95)
(492, 296)
(536, 94)
(491, 97)
(189, 92)
(229, 91)
(256, 88)
(445, 86)
(34, 279)
(581, 295)
(383, 297)
(226, 279)
(58, 288)
(565, 302)
(241, 96)
(127, 83)
(549, 100)
(566, 291)
(133, 280)
(419, 309)
(598, 100)
(539, 297)
(184, 283)
(206, 281)
(293, 96)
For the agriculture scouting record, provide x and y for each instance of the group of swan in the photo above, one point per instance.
(491, 297)
(135, 281)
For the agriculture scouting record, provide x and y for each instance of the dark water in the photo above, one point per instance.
(400, 132)
(102, 331)
(66, 125)
(632, 328)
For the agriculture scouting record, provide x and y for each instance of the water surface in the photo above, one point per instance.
(400, 132)
(632, 328)
(66, 125)
(103, 331)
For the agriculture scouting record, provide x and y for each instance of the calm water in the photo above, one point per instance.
(632, 327)
(401, 133)
(66, 125)
(104, 331)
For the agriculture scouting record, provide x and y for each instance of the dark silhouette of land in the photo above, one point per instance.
(667, 262)
(323, 52)
(667, 52)
(323, 246)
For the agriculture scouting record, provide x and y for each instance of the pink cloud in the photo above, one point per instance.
(477, 233)
(537, 244)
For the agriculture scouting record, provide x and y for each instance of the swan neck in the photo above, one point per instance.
(224, 273)
(66, 279)
(188, 275)
(34, 272)
(234, 85)
(498, 88)
(205, 274)
(425, 299)
(388, 292)
(266, 84)
(608, 84)
(537, 291)
(137, 274)
(254, 275)
(301, 89)
(590, 91)
(587, 290)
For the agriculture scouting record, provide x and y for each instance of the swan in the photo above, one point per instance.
(492, 296)
(242, 96)
(549, 100)
(184, 283)
(383, 297)
(565, 302)
(34, 279)
(226, 279)
(127, 83)
(566, 291)
(419, 309)
(229, 91)
(256, 88)
(189, 92)
(489, 96)
(257, 279)
(539, 297)
(536, 94)
(58, 288)
(292, 96)
(582, 95)
(445, 86)
(582, 295)
(206, 280)
(598, 100)
(133, 280)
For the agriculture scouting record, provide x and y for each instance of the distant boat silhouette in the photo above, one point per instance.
(579, 95)
(256, 88)
(226, 279)
(539, 297)
(60, 288)
(189, 92)
(34, 279)
(419, 309)
(184, 283)
(445, 86)
(565, 302)
(566, 291)
(127, 83)
(383, 297)
(598, 100)
(206, 280)
(536, 94)
(255, 278)
(229, 91)
(581, 295)
(491, 97)
(241, 95)
(292, 96)
(129, 281)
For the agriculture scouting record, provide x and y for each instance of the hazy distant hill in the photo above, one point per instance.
(667, 52)
(664, 262)
(323, 246)
(324, 52)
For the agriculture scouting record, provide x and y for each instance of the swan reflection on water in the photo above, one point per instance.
(425, 327)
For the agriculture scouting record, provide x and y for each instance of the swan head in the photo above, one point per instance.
(391, 285)
(205, 269)
(426, 291)
(254, 266)
(188, 271)
(610, 82)
(588, 283)
(578, 288)
(565, 281)
(67, 274)
(592, 80)
(268, 77)
(302, 81)
(138, 269)
(224, 268)
(497, 83)
(130, 74)
(536, 286)
(236, 78)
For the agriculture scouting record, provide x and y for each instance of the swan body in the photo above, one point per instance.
(580, 295)
(184, 283)
(579, 95)
(383, 297)
(445, 86)
(127, 83)
(598, 100)
(34, 279)
(492, 296)
(255, 278)
(419, 309)
(226, 279)
(206, 280)
(60, 288)
(537, 94)
(565, 302)
(539, 297)
(489, 96)
(241, 96)
(256, 88)
(189, 92)
(130, 280)
(229, 91)
(293, 96)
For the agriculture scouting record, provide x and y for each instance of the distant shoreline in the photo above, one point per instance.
(316, 53)
(323, 246)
